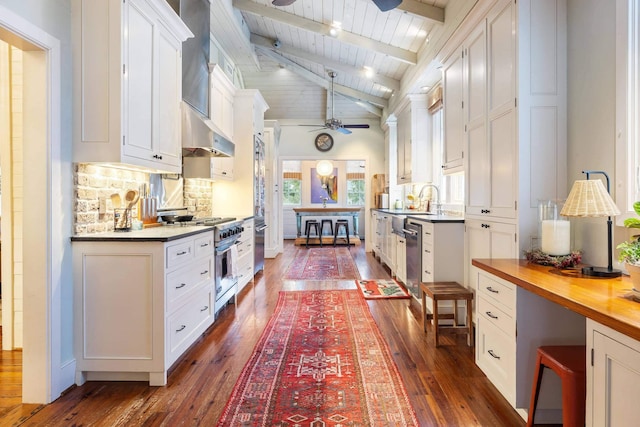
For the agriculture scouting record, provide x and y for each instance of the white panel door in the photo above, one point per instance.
(453, 112)
(488, 239)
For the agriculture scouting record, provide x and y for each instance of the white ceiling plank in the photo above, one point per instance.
(327, 63)
(317, 27)
(314, 78)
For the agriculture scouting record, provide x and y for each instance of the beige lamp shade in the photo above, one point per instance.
(324, 168)
(589, 198)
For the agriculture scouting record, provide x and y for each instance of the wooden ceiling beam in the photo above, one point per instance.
(329, 64)
(314, 78)
(424, 10)
(393, 52)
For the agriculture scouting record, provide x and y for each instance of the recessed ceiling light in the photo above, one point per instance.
(336, 27)
(368, 72)
(425, 87)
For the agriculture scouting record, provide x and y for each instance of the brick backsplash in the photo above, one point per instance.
(94, 182)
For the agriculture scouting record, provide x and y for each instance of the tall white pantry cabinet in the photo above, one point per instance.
(514, 124)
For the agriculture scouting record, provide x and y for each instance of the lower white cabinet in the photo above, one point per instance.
(245, 255)
(613, 377)
(138, 305)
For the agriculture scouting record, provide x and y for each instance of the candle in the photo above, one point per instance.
(556, 239)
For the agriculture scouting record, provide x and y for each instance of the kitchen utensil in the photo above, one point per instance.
(131, 197)
(184, 218)
(169, 219)
(116, 202)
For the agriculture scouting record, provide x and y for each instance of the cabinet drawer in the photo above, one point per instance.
(244, 248)
(245, 273)
(204, 245)
(180, 283)
(427, 257)
(495, 355)
(427, 232)
(179, 253)
(188, 322)
(494, 315)
(498, 291)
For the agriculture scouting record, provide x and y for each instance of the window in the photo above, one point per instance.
(355, 189)
(292, 188)
(628, 106)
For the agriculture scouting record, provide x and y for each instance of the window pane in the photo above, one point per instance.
(291, 192)
(355, 192)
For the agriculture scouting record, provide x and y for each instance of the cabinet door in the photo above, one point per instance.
(168, 146)
(138, 60)
(502, 137)
(453, 113)
(616, 377)
(222, 167)
(404, 121)
(488, 239)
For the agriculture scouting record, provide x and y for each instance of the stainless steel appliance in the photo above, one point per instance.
(226, 277)
(413, 235)
(259, 176)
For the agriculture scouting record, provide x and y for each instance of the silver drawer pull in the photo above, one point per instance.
(204, 245)
(204, 272)
(490, 289)
(493, 316)
(181, 285)
(182, 253)
(427, 271)
(427, 251)
(206, 307)
(493, 354)
(181, 328)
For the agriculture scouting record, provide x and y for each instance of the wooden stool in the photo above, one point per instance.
(447, 291)
(569, 362)
(344, 224)
(326, 221)
(307, 230)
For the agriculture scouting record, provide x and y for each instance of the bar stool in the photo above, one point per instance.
(569, 362)
(330, 223)
(447, 291)
(307, 230)
(344, 224)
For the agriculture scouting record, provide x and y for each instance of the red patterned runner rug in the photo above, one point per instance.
(322, 264)
(321, 361)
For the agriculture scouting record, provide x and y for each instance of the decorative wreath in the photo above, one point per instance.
(559, 261)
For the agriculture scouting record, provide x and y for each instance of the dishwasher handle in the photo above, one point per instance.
(262, 228)
(410, 232)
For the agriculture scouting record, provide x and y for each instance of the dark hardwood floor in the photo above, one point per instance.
(446, 388)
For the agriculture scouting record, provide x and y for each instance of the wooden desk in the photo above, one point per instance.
(352, 212)
(606, 301)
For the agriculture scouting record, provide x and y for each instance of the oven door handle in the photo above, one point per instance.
(410, 232)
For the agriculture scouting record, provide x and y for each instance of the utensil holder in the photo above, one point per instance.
(149, 210)
(122, 219)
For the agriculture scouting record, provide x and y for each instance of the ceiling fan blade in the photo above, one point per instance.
(282, 2)
(356, 126)
(383, 5)
(343, 130)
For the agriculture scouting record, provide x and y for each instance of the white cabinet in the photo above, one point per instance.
(245, 254)
(488, 239)
(273, 201)
(452, 79)
(139, 305)
(613, 377)
(413, 142)
(222, 102)
(129, 86)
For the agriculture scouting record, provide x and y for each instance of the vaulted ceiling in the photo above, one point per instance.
(286, 52)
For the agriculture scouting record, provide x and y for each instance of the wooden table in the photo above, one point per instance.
(352, 212)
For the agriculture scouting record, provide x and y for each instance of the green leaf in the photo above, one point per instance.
(632, 222)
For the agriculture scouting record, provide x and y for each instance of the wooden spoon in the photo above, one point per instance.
(116, 202)
(131, 197)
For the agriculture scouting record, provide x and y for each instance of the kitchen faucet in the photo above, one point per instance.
(438, 204)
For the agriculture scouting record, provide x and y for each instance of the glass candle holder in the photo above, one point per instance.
(554, 230)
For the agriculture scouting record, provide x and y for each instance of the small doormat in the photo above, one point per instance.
(381, 289)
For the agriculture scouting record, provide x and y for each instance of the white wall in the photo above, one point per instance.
(53, 21)
(591, 112)
(297, 143)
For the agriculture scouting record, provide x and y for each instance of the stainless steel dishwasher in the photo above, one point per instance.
(413, 236)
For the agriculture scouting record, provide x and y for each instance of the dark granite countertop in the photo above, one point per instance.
(165, 233)
(422, 216)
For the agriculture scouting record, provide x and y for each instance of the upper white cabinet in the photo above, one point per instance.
(222, 102)
(128, 83)
(491, 117)
(452, 78)
(413, 142)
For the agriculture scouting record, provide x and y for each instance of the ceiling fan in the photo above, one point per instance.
(383, 5)
(333, 123)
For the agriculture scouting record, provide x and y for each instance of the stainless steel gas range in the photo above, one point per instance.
(226, 235)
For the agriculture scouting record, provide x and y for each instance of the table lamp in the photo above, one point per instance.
(589, 198)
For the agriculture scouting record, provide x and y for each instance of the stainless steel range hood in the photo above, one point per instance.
(199, 137)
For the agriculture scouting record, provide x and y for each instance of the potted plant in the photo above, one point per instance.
(630, 250)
